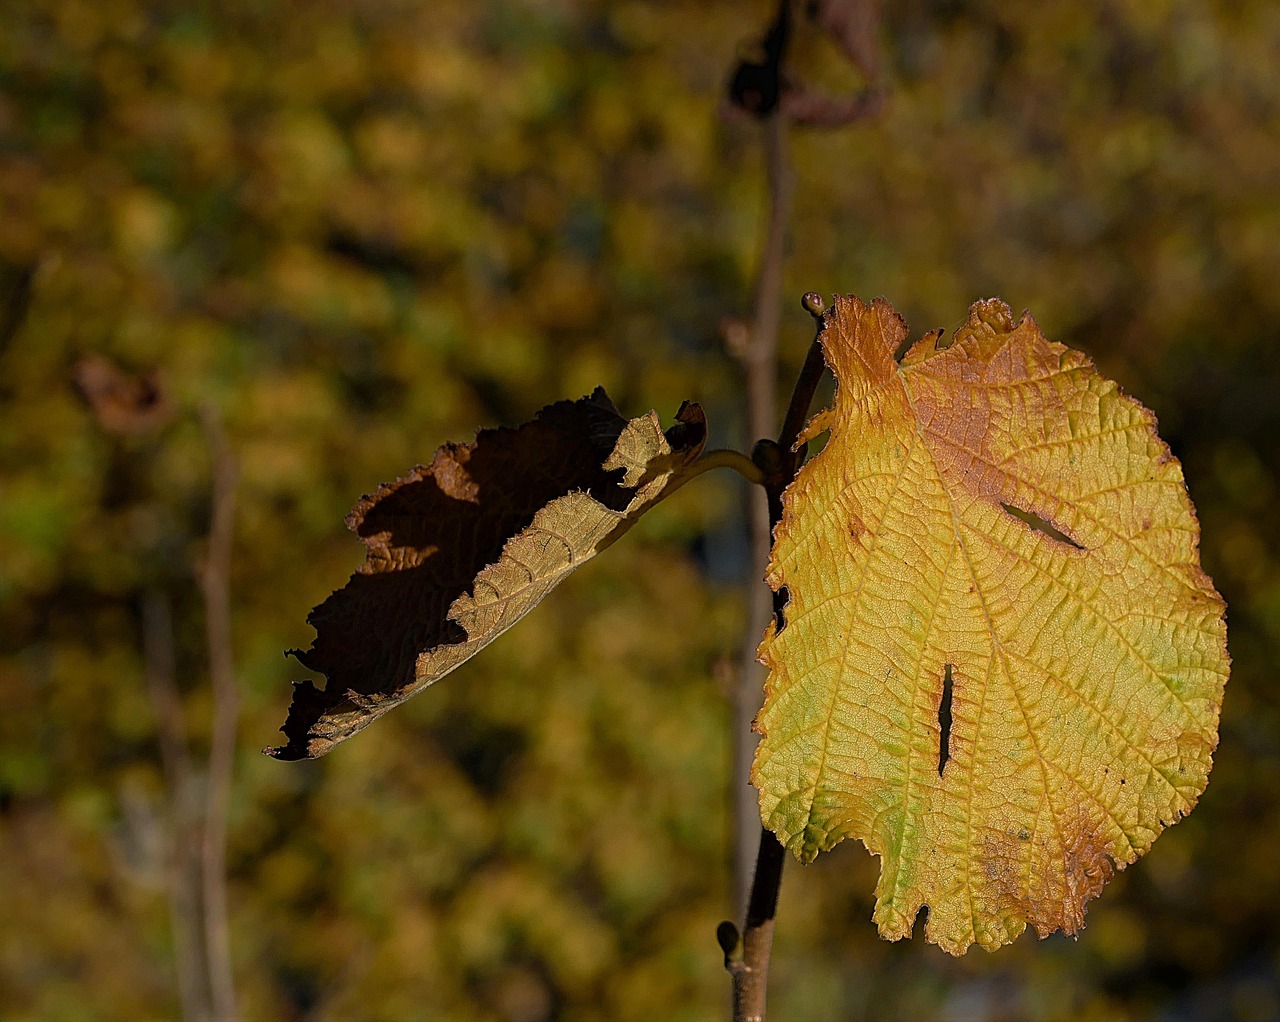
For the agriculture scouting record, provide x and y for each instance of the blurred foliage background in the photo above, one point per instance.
(356, 230)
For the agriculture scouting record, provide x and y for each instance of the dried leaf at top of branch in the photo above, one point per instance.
(766, 79)
(855, 26)
(461, 549)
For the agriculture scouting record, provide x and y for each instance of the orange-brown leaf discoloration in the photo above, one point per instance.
(994, 508)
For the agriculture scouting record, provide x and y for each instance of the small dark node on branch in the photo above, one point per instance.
(727, 937)
(813, 304)
(769, 458)
(755, 89)
(756, 85)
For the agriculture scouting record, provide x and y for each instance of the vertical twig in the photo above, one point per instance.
(750, 972)
(183, 866)
(215, 587)
(761, 362)
(779, 462)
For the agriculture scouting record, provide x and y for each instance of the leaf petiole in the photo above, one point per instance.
(726, 458)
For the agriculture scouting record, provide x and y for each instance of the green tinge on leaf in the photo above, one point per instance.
(1001, 666)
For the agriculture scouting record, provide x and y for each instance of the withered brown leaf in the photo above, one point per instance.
(459, 550)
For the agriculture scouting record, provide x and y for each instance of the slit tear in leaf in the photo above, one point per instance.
(1040, 525)
(459, 550)
(944, 721)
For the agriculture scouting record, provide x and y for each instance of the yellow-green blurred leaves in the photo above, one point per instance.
(1117, 174)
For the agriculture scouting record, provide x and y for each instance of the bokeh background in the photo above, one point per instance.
(355, 230)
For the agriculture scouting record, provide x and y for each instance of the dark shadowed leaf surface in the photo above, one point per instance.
(461, 549)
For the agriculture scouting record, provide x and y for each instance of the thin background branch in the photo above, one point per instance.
(215, 586)
(132, 404)
(183, 866)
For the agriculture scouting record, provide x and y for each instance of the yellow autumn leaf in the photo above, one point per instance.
(461, 549)
(1001, 665)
